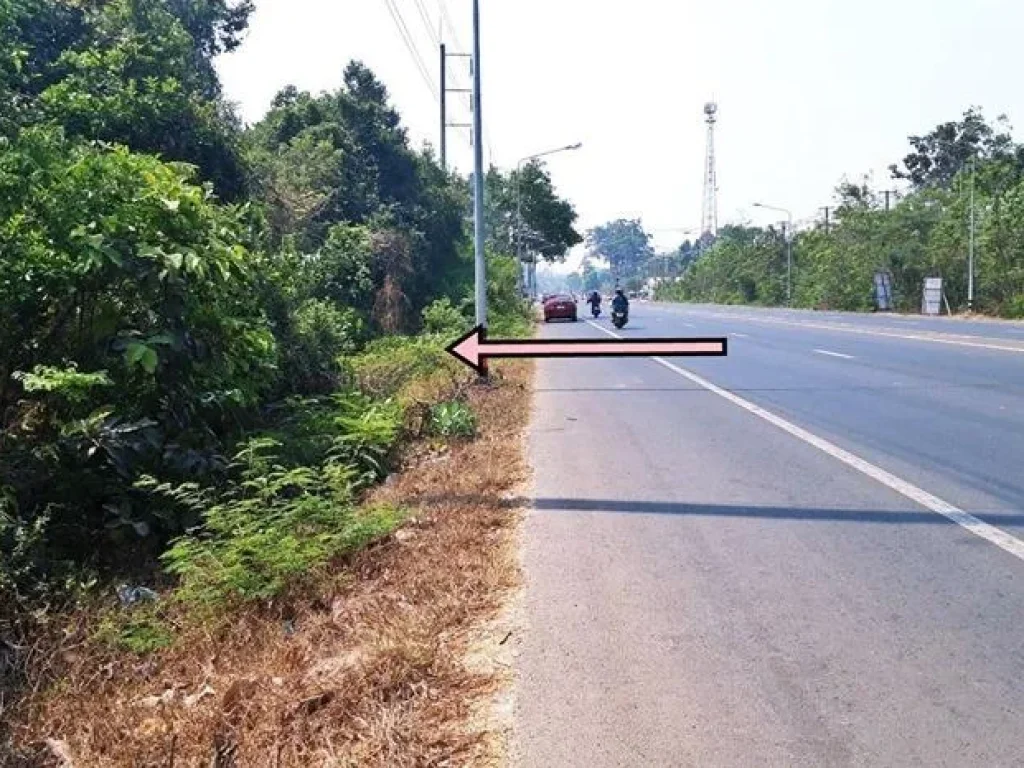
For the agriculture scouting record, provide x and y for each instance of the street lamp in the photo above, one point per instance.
(519, 204)
(789, 248)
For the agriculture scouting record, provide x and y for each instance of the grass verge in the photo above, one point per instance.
(360, 663)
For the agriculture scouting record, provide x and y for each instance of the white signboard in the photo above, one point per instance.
(931, 297)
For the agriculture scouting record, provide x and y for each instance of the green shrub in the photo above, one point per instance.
(67, 383)
(366, 432)
(140, 632)
(321, 333)
(389, 364)
(275, 525)
(511, 325)
(453, 418)
(442, 317)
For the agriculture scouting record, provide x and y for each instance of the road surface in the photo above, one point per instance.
(808, 553)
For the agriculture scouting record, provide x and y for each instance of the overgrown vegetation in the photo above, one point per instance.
(452, 418)
(211, 338)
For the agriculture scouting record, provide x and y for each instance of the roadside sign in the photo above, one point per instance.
(883, 291)
(931, 297)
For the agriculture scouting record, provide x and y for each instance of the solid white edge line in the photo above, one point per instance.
(989, 533)
(847, 328)
(834, 354)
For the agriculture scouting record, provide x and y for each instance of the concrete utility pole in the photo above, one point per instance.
(444, 113)
(970, 250)
(789, 248)
(826, 209)
(478, 178)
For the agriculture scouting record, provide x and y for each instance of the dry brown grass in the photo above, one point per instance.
(365, 667)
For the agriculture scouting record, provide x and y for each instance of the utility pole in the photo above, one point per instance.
(970, 250)
(789, 263)
(478, 179)
(444, 113)
(887, 193)
(826, 209)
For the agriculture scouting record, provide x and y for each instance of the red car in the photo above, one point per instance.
(560, 306)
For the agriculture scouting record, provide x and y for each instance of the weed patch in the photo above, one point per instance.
(453, 418)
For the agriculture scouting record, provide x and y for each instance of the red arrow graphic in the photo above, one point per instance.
(473, 348)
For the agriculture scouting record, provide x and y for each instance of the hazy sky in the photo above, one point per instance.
(808, 90)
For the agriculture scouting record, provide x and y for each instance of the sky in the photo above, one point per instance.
(808, 91)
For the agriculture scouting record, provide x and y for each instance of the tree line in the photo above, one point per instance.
(169, 277)
(923, 232)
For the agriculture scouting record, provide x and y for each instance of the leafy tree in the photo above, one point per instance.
(133, 78)
(216, 27)
(524, 211)
(623, 243)
(940, 155)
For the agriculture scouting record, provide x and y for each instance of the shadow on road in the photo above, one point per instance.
(727, 510)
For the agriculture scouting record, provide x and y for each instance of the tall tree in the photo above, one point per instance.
(343, 158)
(623, 243)
(128, 72)
(525, 210)
(940, 155)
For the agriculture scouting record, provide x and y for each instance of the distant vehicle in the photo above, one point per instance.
(560, 306)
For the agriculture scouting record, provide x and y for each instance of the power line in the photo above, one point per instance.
(410, 45)
(425, 18)
(447, 19)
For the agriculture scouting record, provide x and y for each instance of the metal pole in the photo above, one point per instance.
(478, 178)
(523, 274)
(970, 250)
(444, 113)
(789, 262)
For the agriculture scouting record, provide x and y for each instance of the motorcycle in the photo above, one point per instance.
(619, 318)
(595, 310)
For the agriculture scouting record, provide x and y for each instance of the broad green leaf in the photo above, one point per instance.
(149, 360)
(134, 352)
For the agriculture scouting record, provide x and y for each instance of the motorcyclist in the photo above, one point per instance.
(619, 302)
(594, 300)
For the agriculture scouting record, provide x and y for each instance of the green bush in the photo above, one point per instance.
(366, 433)
(140, 632)
(389, 364)
(275, 525)
(442, 317)
(453, 418)
(321, 334)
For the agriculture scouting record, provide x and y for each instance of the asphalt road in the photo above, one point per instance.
(738, 561)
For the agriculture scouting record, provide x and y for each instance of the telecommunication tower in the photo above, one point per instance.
(709, 214)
